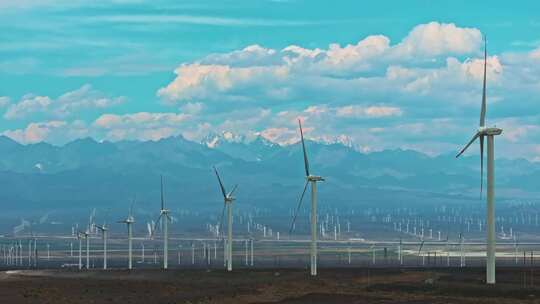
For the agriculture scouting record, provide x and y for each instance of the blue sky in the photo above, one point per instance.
(384, 75)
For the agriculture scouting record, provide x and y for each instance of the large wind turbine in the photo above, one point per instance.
(165, 217)
(129, 222)
(481, 133)
(227, 202)
(313, 179)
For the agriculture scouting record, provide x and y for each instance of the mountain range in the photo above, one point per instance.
(86, 173)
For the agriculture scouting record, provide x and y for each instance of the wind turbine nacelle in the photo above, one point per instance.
(313, 178)
(493, 131)
(489, 131)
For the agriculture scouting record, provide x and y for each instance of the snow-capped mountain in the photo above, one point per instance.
(103, 173)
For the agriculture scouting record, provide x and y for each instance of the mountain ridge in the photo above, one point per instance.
(108, 172)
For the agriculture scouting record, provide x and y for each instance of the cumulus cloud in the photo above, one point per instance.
(261, 75)
(430, 80)
(425, 87)
(113, 127)
(28, 104)
(373, 111)
(141, 126)
(35, 132)
(64, 106)
(282, 136)
(434, 39)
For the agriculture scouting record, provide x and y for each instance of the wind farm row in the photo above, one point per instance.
(382, 236)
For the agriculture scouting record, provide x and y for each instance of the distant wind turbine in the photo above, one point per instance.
(481, 133)
(104, 230)
(313, 179)
(228, 199)
(165, 218)
(84, 235)
(129, 222)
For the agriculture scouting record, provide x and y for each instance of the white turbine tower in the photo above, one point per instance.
(129, 222)
(313, 179)
(227, 202)
(165, 217)
(84, 235)
(490, 133)
(104, 230)
(87, 237)
(80, 237)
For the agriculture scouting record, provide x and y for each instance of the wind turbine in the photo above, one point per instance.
(87, 237)
(227, 203)
(83, 235)
(104, 230)
(165, 217)
(129, 222)
(313, 179)
(490, 133)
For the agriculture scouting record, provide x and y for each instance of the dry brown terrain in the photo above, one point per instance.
(269, 286)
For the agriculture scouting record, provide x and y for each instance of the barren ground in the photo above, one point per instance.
(360, 285)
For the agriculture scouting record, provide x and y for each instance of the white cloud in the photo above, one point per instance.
(84, 98)
(196, 82)
(282, 136)
(142, 125)
(373, 111)
(35, 132)
(136, 126)
(421, 92)
(28, 104)
(110, 121)
(4, 101)
(435, 39)
(370, 68)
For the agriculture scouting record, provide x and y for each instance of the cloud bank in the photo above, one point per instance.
(422, 92)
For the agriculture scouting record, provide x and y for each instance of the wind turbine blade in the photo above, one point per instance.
(306, 163)
(481, 165)
(298, 207)
(106, 216)
(131, 207)
(162, 203)
(483, 111)
(221, 218)
(149, 228)
(467, 146)
(154, 229)
(232, 191)
(220, 183)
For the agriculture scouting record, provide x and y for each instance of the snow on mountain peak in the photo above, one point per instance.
(213, 140)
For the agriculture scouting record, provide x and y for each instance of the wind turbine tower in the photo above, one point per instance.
(310, 179)
(165, 217)
(228, 200)
(490, 133)
(104, 230)
(129, 222)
